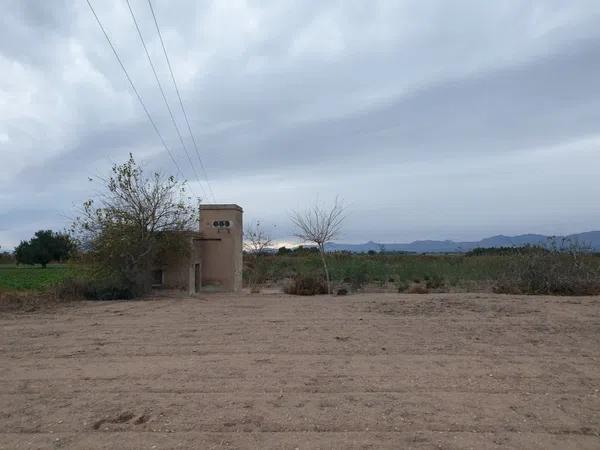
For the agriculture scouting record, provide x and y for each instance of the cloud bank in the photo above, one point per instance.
(432, 119)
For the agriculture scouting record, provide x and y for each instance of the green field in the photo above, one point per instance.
(459, 271)
(392, 271)
(31, 277)
(359, 269)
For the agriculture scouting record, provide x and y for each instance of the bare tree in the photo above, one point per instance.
(256, 242)
(320, 225)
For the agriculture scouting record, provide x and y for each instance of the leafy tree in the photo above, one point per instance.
(44, 247)
(283, 251)
(135, 221)
(7, 257)
(301, 250)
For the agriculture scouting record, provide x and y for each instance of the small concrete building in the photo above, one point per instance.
(214, 260)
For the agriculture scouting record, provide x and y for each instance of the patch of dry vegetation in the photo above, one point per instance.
(558, 269)
(30, 301)
(554, 271)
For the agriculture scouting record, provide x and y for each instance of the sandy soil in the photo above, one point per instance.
(272, 371)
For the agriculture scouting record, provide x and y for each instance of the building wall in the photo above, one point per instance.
(178, 270)
(217, 249)
(221, 234)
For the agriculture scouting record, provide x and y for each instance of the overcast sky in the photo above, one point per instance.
(431, 119)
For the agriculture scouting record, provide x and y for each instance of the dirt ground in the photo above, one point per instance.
(272, 371)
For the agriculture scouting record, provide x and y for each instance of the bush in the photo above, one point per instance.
(7, 258)
(109, 291)
(556, 271)
(351, 272)
(434, 281)
(402, 286)
(358, 275)
(342, 291)
(90, 289)
(418, 289)
(71, 288)
(306, 285)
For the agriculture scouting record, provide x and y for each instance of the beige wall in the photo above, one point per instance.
(221, 246)
(178, 270)
(217, 248)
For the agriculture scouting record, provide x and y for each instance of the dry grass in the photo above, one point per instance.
(28, 301)
(417, 288)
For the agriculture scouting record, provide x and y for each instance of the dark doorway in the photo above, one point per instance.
(157, 278)
(197, 277)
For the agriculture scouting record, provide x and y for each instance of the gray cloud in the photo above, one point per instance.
(432, 119)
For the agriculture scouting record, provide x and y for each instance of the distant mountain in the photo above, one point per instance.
(590, 239)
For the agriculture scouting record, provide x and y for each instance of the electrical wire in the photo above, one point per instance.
(162, 92)
(181, 101)
(137, 94)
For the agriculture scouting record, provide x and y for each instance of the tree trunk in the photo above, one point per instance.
(322, 253)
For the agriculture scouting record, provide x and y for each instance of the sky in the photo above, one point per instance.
(430, 119)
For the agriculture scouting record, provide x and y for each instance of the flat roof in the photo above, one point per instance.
(221, 206)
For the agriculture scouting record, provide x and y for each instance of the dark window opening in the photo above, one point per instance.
(157, 278)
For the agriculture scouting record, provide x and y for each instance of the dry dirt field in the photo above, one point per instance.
(272, 371)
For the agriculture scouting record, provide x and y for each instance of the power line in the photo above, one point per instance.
(164, 96)
(164, 144)
(181, 101)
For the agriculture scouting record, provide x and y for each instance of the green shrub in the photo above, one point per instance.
(554, 271)
(306, 285)
(7, 258)
(358, 275)
(91, 289)
(434, 281)
(106, 290)
(402, 286)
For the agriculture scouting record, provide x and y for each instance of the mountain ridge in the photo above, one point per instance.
(589, 239)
